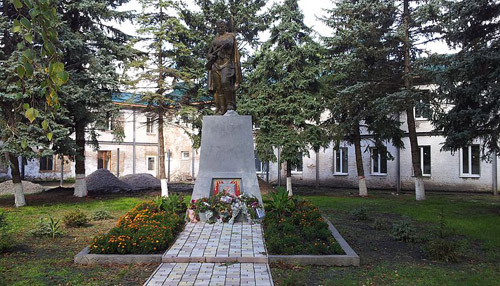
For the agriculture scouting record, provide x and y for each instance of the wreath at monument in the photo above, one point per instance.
(225, 208)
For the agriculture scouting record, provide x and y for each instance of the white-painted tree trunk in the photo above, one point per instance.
(419, 189)
(363, 191)
(289, 186)
(19, 200)
(164, 188)
(80, 186)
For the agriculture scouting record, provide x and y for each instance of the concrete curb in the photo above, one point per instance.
(350, 258)
(84, 257)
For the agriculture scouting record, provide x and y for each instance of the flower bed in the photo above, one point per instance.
(294, 227)
(150, 227)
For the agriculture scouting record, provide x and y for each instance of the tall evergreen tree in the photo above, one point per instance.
(468, 79)
(92, 49)
(283, 90)
(361, 68)
(31, 75)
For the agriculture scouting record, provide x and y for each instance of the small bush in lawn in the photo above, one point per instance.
(444, 247)
(381, 224)
(76, 219)
(101, 215)
(172, 204)
(360, 213)
(403, 231)
(48, 227)
(6, 237)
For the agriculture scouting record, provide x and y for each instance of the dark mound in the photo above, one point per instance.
(140, 182)
(103, 181)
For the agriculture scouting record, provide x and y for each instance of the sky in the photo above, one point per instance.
(312, 9)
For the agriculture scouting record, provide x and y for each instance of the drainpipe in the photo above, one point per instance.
(398, 166)
(118, 162)
(133, 141)
(192, 165)
(168, 165)
(317, 169)
(495, 174)
(279, 167)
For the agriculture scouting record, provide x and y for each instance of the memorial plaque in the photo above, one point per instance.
(230, 186)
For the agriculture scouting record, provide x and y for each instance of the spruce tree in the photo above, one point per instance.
(468, 79)
(282, 90)
(92, 48)
(360, 69)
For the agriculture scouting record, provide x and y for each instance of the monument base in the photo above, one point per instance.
(227, 157)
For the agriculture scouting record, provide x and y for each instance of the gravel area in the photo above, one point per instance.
(28, 188)
(103, 181)
(143, 181)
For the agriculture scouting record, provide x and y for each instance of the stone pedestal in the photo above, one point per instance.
(226, 156)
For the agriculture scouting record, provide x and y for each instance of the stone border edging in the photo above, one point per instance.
(350, 258)
(84, 257)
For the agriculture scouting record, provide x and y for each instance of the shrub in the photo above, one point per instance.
(145, 229)
(301, 231)
(280, 202)
(50, 227)
(6, 237)
(171, 204)
(101, 215)
(76, 219)
(380, 224)
(360, 213)
(443, 247)
(403, 231)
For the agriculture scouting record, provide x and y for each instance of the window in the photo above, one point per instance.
(423, 110)
(47, 163)
(103, 160)
(379, 162)
(185, 155)
(260, 167)
(425, 160)
(151, 162)
(340, 162)
(470, 161)
(298, 167)
(149, 125)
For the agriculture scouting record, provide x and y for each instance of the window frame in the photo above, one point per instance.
(295, 168)
(105, 166)
(470, 164)
(154, 163)
(421, 153)
(341, 150)
(379, 165)
(185, 158)
(150, 125)
(47, 157)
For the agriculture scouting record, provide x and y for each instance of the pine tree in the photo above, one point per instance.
(162, 65)
(361, 68)
(468, 79)
(283, 90)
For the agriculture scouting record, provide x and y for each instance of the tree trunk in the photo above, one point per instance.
(161, 157)
(289, 178)
(410, 118)
(19, 200)
(80, 184)
(363, 191)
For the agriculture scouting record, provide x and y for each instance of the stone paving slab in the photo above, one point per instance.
(204, 242)
(208, 274)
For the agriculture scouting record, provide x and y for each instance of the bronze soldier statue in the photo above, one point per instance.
(224, 76)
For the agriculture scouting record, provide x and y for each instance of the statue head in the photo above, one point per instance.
(221, 27)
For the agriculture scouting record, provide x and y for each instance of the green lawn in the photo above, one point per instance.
(474, 218)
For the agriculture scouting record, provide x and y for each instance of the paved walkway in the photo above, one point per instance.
(215, 254)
